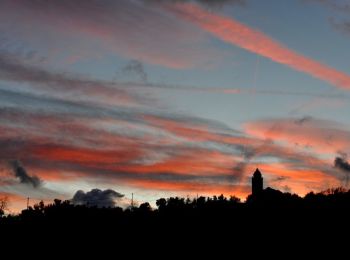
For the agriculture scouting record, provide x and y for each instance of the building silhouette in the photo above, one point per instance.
(257, 182)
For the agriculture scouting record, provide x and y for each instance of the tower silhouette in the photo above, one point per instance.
(257, 182)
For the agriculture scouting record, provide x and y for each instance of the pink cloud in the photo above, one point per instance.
(239, 34)
(320, 136)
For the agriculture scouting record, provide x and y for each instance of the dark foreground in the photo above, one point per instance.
(272, 212)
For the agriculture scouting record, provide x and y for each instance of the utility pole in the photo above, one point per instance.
(27, 203)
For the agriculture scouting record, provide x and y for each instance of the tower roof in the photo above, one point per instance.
(257, 173)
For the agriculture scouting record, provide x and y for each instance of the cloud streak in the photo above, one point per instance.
(321, 136)
(236, 33)
(12, 68)
(231, 91)
(206, 3)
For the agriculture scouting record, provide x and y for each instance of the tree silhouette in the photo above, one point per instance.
(4, 202)
(268, 207)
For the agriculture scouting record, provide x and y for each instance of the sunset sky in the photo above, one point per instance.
(172, 97)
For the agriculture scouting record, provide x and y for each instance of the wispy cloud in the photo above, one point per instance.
(135, 68)
(343, 27)
(12, 68)
(336, 5)
(339, 20)
(233, 90)
(90, 28)
(321, 136)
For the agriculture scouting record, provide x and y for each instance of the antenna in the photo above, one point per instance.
(27, 203)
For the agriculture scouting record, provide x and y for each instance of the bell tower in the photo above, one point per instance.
(257, 182)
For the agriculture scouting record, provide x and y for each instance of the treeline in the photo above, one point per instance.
(270, 205)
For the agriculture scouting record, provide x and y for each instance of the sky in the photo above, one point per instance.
(160, 98)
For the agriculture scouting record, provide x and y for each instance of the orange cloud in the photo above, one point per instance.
(189, 161)
(188, 156)
(239, 34)
(182, 129)
(198, 132)
(300, 181)
(10, 196)
(257, 144)
(84, 155)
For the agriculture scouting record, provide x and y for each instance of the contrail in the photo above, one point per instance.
(236, 33)
(219, 90)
